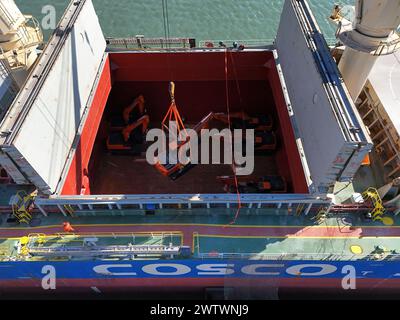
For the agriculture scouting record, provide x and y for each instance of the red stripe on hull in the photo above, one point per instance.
(196, 284)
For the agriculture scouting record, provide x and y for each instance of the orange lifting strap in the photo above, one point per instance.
(173, 113)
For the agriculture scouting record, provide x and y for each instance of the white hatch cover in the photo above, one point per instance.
(40, 127)
(325, 119)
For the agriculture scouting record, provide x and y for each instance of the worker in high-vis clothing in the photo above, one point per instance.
(68, 227)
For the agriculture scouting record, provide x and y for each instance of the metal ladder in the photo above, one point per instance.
(21, 205)
(371, 194)
(381, 134)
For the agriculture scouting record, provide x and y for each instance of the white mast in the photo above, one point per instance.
(372, 34)
(20, 36)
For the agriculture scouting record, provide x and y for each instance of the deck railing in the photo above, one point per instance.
(230, 43)
(300, 256)
(141, 43)
(293, 203)
(248, 42)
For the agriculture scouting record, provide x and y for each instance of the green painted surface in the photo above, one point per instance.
(332, 248)
(313, 248)
(206, 217)
(9, 247)
(367, 176)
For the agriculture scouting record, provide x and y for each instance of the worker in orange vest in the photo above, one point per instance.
(67, 227)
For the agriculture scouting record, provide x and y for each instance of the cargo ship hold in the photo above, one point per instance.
(80, 202)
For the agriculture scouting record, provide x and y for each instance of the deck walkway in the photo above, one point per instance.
(223, 231)
(272, 234)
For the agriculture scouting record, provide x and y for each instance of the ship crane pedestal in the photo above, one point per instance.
(20, 36)
(372, 34)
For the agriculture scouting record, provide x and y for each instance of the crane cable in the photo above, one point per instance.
(167, 35)
(230, 128)
(165, 12)
(237, 82)
(166, 20)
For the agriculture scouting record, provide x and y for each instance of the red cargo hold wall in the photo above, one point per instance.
(189, 66)
(253, 74)
(76, 179)
(249, 68)
(289, 156)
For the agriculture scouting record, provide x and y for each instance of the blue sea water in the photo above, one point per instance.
(200, 19)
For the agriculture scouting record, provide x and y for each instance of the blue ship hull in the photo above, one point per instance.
(192, 275)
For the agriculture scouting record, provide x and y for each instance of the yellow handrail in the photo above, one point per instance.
(372, 194)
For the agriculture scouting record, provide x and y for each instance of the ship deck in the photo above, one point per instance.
(212, 234)
(259, 233)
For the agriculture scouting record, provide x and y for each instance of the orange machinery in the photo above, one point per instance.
(252, 184)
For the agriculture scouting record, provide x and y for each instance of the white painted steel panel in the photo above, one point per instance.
(385, 79)
(10, 16)
(47, 133)
(8, 87)
(325, 118)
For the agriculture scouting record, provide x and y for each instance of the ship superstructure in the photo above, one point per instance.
(302, 213)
